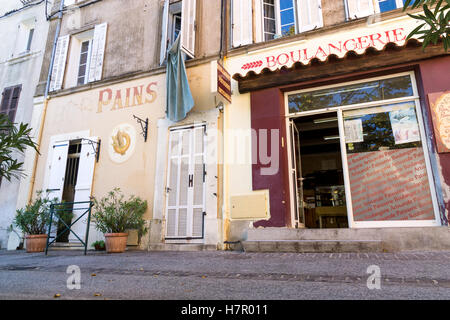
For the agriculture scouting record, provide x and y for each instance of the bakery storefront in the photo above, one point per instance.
(357, 139)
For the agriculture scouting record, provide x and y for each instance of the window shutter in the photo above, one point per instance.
(360, 8)
(97, 52)
(186, 183)
(258, 16)
(83, 187)
(6, 99)
(188, 27)
(309, 14)
(242, 22)
(57, 170)
(59, 64)
(14, 103)
(164, 31)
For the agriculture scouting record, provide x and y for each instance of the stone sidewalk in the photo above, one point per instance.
(225, 275)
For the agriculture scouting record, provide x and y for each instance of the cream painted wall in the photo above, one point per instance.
(78, 112)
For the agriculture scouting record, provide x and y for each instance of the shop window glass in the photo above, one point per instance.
(377, 90)
(386, 164)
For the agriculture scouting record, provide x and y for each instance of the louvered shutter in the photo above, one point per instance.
(164, 31)
(10, 101)
(198, 181)
(360, 8)
(188, 27)
(59, 63)
(185, 184)
(173, 184)
(83, 188)
(309, 14)
(97, 52)
(242, 22)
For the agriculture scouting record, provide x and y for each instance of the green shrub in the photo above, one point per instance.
(113, 214)
(100, 244)
(35, 217)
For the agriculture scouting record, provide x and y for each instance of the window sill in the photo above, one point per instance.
(21, 57)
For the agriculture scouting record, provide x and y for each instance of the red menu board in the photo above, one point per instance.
(390, 185)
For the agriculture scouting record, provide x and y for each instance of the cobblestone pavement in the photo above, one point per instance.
(225, 275)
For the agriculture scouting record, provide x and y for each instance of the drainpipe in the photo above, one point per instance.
(224, 206)
(46, 98)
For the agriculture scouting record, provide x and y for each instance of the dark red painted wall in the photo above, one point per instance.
(267, 112)
(434, 76)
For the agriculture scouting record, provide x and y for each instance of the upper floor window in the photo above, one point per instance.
(24, 39)
(10, 100)
(179, 19)
(83, 67)
(84, 60)
(30, 39)
(363, 8)
(264, 20)
(279, 18)
(388, 5)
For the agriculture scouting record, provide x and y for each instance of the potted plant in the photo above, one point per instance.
(33, 220)
(114, 215)
(99, 245)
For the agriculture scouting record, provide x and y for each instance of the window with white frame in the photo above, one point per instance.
(25, 35)
(363, 8)
(84, 61)
(273, 19)
(178, 20)
(83, 67)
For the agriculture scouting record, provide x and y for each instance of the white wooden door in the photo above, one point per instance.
(55, 173)
(185, 201)
(57, 170)
(297, 179)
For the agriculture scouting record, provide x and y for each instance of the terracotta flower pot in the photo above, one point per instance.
(116, 242)
(36, 243)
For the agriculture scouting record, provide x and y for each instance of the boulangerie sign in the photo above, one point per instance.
(321, 47)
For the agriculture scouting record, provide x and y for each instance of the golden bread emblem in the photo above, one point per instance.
(121, 142)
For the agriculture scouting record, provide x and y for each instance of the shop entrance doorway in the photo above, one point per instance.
(358, 156)
(317, 174)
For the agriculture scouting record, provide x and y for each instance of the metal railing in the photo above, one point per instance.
(57, 210)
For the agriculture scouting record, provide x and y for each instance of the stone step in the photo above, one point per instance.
(313, 246)
(181, 247)
(394, 239)
(67, 246)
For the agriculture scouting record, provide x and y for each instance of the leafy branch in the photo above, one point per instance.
(435, 20)
(13, 139)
